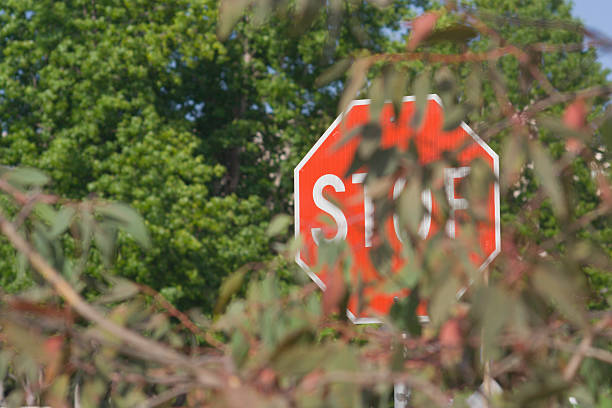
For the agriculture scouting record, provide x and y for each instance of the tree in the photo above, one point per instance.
(528, 318)
(141, 103)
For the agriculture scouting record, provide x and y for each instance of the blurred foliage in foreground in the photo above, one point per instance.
(537, 323)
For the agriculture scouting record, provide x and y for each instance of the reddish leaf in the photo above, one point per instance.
(422, 26)
(450, 334)
(575, 115)
(574, 145)
(267, 379)
(334, 292)
(451, 342)
(53, 345)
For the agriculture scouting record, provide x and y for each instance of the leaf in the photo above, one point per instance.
(230, 12)
(548, 177)
(457, 33)
(422, 26)
(370, 140)
(128, 219)
(240, 348)
(334, 72)
(574, 116)
(410, 205)
(25, 176)
(473, 87)
(229, 287)
(493, 309)
(358, 74)
(92, 392)
(59, 391)
(561, 292)
(279, 225)
(105, 237)
(377, 98)
(62, 221)
(395, 88)
(404, 313)
(559, 128)
(605, 130)
(5, 358)
(453, 117)
(122, 289)
(334, 292)
(443, 298)
(421, 87)
(302, 359)
(515, 153)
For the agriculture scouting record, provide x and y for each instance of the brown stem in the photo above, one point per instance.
(154, 351)
(574, 364)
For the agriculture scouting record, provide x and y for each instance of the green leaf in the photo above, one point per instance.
(62, 221)
(25, 176)
(404, 313)
(453, 116)
(230, 12)
(548, 176)
(122, 289)
(371, 134)
(443, 298)
(5, 358)
(410, 206)
(229, 287)
(128, 219)
(605, 130)
(473, 87)
(279, 225)
(421, 87)
(358, 73)
(456, 33)
(561, 292)
(334, 72)
(240, 348)
(105, 238)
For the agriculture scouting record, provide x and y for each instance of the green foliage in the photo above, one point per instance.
(140, 102)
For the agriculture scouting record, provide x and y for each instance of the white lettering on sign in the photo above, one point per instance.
(328, 207)
(450, 175)
(427, 202)
(368, 209)
(455, 204)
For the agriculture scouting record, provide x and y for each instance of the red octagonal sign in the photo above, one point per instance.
(322, 191)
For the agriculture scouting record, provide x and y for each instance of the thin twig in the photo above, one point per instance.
(182, 317)
(165, 396)
(154, 351)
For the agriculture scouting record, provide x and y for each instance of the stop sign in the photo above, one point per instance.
(323, 192)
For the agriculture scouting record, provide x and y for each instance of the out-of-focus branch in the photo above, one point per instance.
(433, 392)
(593, 352)
(543, 104)
(154, 351)
(584, 349)
(23, 198)
(574, 364)
(166, 396)
(185, 321)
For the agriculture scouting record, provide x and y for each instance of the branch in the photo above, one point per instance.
(154, 351)
(184, 319)
(165, 396)
(574, 364)
(371, 378)
(593, 352)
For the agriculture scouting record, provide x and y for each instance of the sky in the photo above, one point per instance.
(597, 15)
